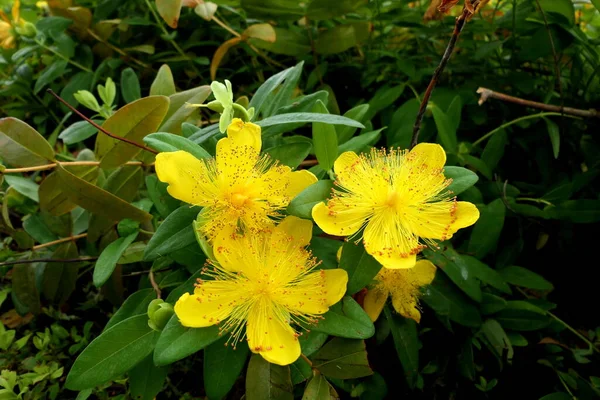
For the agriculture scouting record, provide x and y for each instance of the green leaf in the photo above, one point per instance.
(384, 97)
(487, 229)
(175, 232)
(523, 277)
(577, 211)
(78, 132)
(109, 257)
(311, 342)
(147, 380)
(163, 84)
(49, 75)
(486, 274)
(300, 371)
(596, 4)
(130, 86)
(491, 304)
(362, 142)
(165, 142)
(60, 278)
(496, 339)
(179, 111)
(308, 117)
(111, 354)
(25, 186)
(562, 7)
(361, 267)
(346, 319)
(135, 304)
(324, 140)
(290, 154)
(23, 146)
(133, 121)
(317, 388)
(457, 270)
(447, 301)
(406, 342)
(53, 199)
(445, 129)
(462, 179)
(494, 149)
(177, 342)
(287, 42)
(222, 367)
(280, 9)
(401, 126)
(301, 206)
(259, 100)
(522, 316)
(341, 38)
(169, 11)
(343, 359)
(157, 191)
(563, 395)
(24, 288)
(96, 200)
(358, 114)
(327, 9)
(266, 381)
(554, 133)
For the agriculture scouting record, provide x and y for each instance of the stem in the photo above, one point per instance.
(153, 283)
(64, 164)
(225, 26)
(306, 359)
(540, 201)
(556, 60)
(36, 260)
(458, 27)
(487, 93)
(76, 64)
(579, 335)
(52, 243)
(308, 163)
(95, 125)
(118, 50)
(515, 121)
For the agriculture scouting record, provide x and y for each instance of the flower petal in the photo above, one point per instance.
(336, 282)
(238, 153)
(391, 244)
(236, 253)
(339, 223)
(344, 161)
(207, 306)
(271, 336)
(407, 307)
(245, 134)
(431, 155)
(423, 273)
(298, 229)
(188, 177)
(374, 301)
(299, 180)
(442, 219)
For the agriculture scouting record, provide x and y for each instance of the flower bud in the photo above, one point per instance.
(159, 313)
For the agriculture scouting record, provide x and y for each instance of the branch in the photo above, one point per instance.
(487, 93)
(57, 260)
(153, 283)
(64, 164)
(95, 125)
(52, 243)
(458, 27)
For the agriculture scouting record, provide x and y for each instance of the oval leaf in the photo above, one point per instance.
(109, 257)
(346, 319)
(23, 146)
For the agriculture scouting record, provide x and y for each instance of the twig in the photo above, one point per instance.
(58, 260)
(458, 27)
(556, 61)
(64, 164)
(118, 50)
(95, 125)
(487, 93)
(153, 283)
(308, 163)
(306, 359)
(74, 63)
(52, 243)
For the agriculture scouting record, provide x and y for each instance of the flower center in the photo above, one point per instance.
(393, 200)
(239, 200)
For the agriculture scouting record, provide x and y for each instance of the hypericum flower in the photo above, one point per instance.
(239, 188)
(398, 196)
(404, 285)
(265, 282)
(7, 28)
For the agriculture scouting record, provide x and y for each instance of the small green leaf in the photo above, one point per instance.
(317, 388)
(406, 342)
(177, 342)
(346, 319)
(361, 267)
(462, 179)
(577, 211)
(301, 206)
(164, 83)
(362, 142)
(324, 139)
(266, 381)
(78, 132)
(523, 277)
(491, 304)
(49, 75)
(169, 10)
(165, 142)
(308, 117)
(109, 257)
(60, 278)
(522, 316)
(447, 301)
(358, 114)
(343, 359)
(554, 133)
(457, 270)
(23, 146)
(496, 339)
(157, 191)
(179, 111)
(290, 154)
(23, 185)
(111, 354)
(327, 9)
(135, 304)
(486, 274)
(445, 129)
(147, 380)
(176, 232)
(222, 367)
(341, 38)
(130, 86)
(487, 229)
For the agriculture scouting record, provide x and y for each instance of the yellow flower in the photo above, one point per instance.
(7, 28)
(404, 285)
(239, 188)
(399, 197)
(265, 281)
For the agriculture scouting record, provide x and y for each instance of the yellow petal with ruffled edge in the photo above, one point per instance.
(390, 244)
(374, 301)
(339, 223)
(405, 295)
(270, 336)
(207, 306)
(244, 134)
(302, 298)
(188, 177)
(444, 219)
(298, 181)
(300, 230)
(428, 155)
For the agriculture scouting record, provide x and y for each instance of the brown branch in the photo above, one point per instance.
(153, 283)
(95, 125)
(52, 243)
(58, 260)
(458, 27)
(64, 164)
(308, 163)
(487, 94)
